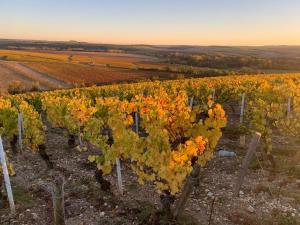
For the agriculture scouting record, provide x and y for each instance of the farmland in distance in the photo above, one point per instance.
(61, 69)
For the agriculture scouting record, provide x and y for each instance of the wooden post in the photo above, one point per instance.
(119, 175)
(136, 122)
(242, 140)
(242, 109)
(289, 107)
(214, 94)
(191, 102)
(20, 125)
(6, 178)
(58, 201)
(242, 137)
(251, 149)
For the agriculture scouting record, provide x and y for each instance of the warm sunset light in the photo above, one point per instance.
(232, 22)
(150, 112)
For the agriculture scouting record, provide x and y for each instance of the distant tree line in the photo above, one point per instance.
(232, 62)
(196, 72)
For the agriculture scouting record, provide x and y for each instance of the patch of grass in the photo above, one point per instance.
(279, 218)
(148, 214)
(297, 141)
(242, 218)
(254, 164)
(86, 180)
(295, 194)
(132, 187)
(232, 146)
(261, 188)
(221, 200)
(21, 196)
(294, 170)
(289, 167)
(286, 152)
(275, 218)
(288, 161)
(186, 219)
(296, 158)
(233, 131)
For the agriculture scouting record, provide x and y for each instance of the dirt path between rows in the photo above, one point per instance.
(7, 76)
(10, 71)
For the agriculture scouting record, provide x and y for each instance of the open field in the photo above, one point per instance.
(256, 51)
(131, 63)
(113, 59)
(59, 69)
(83, 74)
(8, 75)
(13, 71)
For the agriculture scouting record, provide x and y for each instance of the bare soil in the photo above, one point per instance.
(269, 196)
(10, 71)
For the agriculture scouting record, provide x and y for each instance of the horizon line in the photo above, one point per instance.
(145, 44)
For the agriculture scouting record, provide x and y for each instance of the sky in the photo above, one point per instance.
(166, 22)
